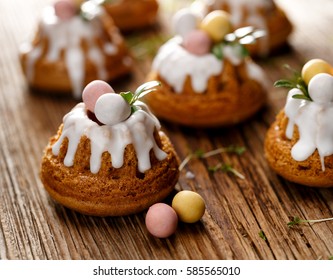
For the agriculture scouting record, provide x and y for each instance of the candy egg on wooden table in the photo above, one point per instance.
(161, 220)
(189, 206)
(314, 67)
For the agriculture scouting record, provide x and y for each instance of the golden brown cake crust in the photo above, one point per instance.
(112, 191)
(230, 98)
(278, 154)
(51, 77)
(132, 14)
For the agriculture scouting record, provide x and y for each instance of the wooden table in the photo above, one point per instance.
(33, 226)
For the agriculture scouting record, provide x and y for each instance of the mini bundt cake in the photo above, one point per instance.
(130, 15)
(74, 45)
(262, 14)
(109, 157)
(299, 144)
(207, 77)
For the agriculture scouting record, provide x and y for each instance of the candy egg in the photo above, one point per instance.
(321, 88)
(314, 67)
(64, 9)
(216, 24)
(184, 21)
(197, 42)
(189, 206)
(93, 91)
(161, 220)
(112, 108)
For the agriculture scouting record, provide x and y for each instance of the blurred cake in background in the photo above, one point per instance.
(76, 42)
(132, 14)
(207, 76)
(262, 14)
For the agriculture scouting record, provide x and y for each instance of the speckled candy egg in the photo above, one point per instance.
(161, 220)
(112, 108)
(321, 88)
(184, 21)
(216, 24)
(197, 42)
(93, 91)
(314, 67)
(189, 206)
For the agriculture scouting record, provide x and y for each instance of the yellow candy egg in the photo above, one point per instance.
(314, 67)
(189, 206)
(217, 24)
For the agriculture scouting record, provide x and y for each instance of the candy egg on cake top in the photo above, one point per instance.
(299, 144)
(204, 70)
(76, 43)
(109, 157)
(262, 14)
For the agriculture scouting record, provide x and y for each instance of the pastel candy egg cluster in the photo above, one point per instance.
(162, 219)
(318, 75)
(65, 9)
(199, 35)
(109, 107)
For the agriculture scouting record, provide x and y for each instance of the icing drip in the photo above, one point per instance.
(174, 64)
(253, 16)
(314, 122)
(68, 35)
(138, 130)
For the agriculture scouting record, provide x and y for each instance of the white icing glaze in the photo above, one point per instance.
(253, 18)
(138, 130)
(314, 122)
(174, 64)
(68, 35)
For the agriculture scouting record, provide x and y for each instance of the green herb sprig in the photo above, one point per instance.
(240, 37)
(295, 82)
(141, 91)
(297, 221)
(226, 168)
(262, 235)
(220, 167)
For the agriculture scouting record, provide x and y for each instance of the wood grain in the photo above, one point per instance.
(32, 226)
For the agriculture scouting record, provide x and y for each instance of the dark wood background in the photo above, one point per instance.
(32, 226)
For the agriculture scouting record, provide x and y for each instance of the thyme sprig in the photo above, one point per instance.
(296, 81)
(226, 168)
(222, 167)
(132, 97)
(297, 221)
(262, 235)
(239, 38)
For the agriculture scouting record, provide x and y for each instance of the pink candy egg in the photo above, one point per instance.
(64, 9)
(197, 42)
(93, 91)
(161, 220)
